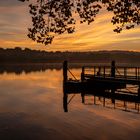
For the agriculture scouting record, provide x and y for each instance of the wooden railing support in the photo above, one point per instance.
(83, 74)
(113, 69)
(65, 75)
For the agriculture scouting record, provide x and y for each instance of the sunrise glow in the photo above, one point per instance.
(15, 20)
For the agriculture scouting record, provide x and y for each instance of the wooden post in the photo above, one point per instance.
(82, 74)
(99, 71)
(113, 74)
(125, 72)
(136, 72)
(65, 67)
(104, 71)
(113, 69)
(94, 70)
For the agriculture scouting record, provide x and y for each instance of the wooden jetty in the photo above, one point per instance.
(112, 81)
(110, 78)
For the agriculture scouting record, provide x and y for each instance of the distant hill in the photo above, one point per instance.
(17, 55)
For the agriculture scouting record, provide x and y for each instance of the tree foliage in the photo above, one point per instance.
(50, 17)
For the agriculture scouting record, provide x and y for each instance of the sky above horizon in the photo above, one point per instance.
(15, 21)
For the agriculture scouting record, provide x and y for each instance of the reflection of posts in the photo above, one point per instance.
(125, 105)
(83, 97)
(113, 100)
(95, 100)
(139, 91)
(104, 101)
(65, 104)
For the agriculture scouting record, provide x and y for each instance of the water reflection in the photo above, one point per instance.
(129, 104)
(31, 108)
(28, 68)
(19, 68)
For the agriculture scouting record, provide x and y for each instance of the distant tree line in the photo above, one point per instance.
(18, 55)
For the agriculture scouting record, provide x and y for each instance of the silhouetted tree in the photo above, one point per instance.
(50, 17)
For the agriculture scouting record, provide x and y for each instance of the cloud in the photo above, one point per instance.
(9, 3)
(15, 19)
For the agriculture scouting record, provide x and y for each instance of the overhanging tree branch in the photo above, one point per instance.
(50, 17)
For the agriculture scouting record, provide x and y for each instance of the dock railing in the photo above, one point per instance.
(106, 71)
(112, 79)
(113, 71)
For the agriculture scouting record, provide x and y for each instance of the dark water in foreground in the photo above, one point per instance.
(31, 108)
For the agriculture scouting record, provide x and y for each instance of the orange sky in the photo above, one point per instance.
(15, 19)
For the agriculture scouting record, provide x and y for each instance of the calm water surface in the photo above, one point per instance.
(31, 108)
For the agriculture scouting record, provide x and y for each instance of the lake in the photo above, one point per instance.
(31, 108)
